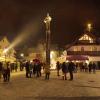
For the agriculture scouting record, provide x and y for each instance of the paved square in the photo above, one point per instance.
(85, 86)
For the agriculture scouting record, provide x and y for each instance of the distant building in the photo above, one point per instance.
(87, 45)
(39, 52)
(6, 54)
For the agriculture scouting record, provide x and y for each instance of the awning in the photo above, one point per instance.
(77, 57)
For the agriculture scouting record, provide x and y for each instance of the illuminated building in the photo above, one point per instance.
(88, 45)
(39, 53)
(5, 53)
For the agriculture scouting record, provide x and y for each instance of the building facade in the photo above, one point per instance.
(87, 45)
(6, 54)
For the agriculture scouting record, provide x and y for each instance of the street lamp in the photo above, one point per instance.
(22, 55)
(47, 21)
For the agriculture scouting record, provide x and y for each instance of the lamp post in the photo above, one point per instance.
(22, 56)
(47, 21)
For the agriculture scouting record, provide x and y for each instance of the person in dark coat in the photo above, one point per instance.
(31, 69)
(8, 72)
(21, 66)
(58, 66)
(5, 71)
(71, 69)
(90, 67)
(27, 69)
(39, 68)
(64, 70)
(34, 68)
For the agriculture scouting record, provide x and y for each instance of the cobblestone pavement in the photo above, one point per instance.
(85, 86)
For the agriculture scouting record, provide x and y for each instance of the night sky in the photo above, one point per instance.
(69, 18)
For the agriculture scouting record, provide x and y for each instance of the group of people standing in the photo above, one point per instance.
(5, 71)
(91, 67)
(66, 68)
(70, 67)
(33, 68)
(7, 67)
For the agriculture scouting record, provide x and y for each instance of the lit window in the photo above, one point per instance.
(75, 49)
(86, 37)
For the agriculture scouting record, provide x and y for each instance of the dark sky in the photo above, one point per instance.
(69, 18)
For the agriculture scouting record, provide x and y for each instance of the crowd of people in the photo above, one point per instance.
(70, 67)
(91, 67)
(34, 68)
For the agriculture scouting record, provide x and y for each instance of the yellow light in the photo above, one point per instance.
(89, 27)
(22, 55)
(52, 54)
(87, 61)
(5, 50)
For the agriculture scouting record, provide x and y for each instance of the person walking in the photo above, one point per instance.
(58, 66)
(8, 72)
(71, 69)
(90, 67)
(5, 71)
(27, 69)
(64, 70)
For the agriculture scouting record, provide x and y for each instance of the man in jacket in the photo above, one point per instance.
(71, 69)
